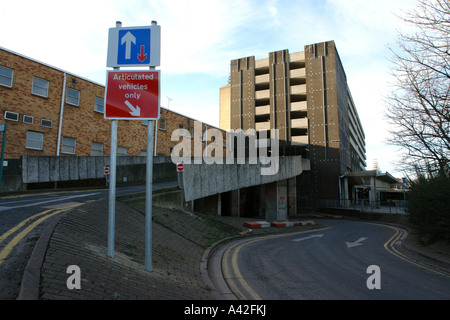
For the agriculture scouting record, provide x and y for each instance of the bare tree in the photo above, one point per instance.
(418, 105)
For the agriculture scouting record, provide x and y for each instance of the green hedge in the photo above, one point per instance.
(428, 206)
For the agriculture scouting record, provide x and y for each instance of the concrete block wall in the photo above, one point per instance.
(47, 169)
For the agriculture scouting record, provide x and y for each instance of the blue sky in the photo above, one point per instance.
(200, 37)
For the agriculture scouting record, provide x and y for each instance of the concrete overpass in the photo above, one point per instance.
(241, 190)
(233, 189)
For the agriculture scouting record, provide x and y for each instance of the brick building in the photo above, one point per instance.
(51, 112)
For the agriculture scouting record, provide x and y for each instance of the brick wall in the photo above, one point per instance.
(81, 122)
(19, 99)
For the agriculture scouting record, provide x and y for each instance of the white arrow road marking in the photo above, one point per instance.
(310, 237)
(134, 111)
(128, 38)
(356, 243)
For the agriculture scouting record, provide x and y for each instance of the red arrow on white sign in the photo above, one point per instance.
(143, 55)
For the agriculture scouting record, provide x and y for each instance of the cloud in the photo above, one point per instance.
(65, 35)
(199, 38)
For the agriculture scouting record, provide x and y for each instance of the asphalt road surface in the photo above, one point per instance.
(16, 208)
(24, 216)
(347, 260)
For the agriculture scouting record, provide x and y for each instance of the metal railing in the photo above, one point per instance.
(386, 207)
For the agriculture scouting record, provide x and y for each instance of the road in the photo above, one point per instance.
(346, 260)
(24, 216)
(17, 208)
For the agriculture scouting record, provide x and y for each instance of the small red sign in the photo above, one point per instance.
(106, 170)
(132, 95)
(180, 167)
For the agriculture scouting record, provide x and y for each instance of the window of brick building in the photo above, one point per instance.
(121, 151)
(6, 77)
(182, 130)
(28, 119)
(96, 149)
(40, 87)
(46, 123)
(73, 97)
(99, 104)
(162, 124)
(35, 140)
(12, 116)
(69, 145)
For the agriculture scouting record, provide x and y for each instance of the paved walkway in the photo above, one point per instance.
(79, 237)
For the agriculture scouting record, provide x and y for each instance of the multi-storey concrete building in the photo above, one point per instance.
(306, 97)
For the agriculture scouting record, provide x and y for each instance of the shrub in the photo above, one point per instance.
(428, 206)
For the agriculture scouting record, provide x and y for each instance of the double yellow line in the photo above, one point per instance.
(242, 289)
(42, 216)
(390, 247)
(232, 273)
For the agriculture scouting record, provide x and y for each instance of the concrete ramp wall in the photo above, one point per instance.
(67, 168)
(202, 180)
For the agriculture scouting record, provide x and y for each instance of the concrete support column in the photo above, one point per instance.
(373, 192)
(219, 204)
(354, 196)
(292, 196)
(282, 200)
(345, 193)
(271, 201)
(235, 203)
(262, 201)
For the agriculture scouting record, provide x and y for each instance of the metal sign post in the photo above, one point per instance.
(112, 190)
(2, 129)
(148, 197)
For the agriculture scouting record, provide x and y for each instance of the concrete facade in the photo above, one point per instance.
(240, 190)
(224, 115)
(202, 180)
(306, 97)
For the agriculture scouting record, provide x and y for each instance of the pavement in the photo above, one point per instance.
(182, 244)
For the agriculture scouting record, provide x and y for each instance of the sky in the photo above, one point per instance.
(200, 37)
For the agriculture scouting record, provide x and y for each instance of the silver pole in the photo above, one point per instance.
(112, 182)
(112, 189)
(148, 197)
(149, 192)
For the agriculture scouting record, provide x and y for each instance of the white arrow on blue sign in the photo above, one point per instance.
(134, 46)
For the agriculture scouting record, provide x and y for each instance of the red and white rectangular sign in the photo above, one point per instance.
(132, 95)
